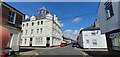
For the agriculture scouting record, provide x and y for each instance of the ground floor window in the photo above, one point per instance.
(116, 41)
(21, 41)
(25, 41)
(52, 40)
(87, 41)
(41, 40)
(94, 41)
(38, 41)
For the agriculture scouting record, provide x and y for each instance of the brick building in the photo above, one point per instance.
(12, 19)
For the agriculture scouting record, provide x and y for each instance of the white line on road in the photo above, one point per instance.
(84, 53)
(36, 53)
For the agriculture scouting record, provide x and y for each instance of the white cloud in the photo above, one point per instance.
(75, 32)
(71, 34)
(77, 20)
(68, 31)
(60, 23)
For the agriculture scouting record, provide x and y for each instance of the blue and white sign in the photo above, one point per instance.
(112, 35)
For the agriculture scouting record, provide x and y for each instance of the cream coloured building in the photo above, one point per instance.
(42, 30)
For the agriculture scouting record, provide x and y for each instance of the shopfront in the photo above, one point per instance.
(113, 39)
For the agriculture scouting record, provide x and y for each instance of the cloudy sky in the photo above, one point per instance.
(71, 15)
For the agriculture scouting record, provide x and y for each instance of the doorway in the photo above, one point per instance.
(30, 42)
(48, 42)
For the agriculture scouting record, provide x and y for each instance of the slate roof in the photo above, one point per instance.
(90, 29)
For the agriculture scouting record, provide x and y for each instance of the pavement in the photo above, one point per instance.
(28, 53)
(98, 52)
(34, 50)
(91, 49)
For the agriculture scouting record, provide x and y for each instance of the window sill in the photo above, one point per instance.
(11, 23)
(109, 17)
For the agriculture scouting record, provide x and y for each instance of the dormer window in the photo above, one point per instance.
(42, 12)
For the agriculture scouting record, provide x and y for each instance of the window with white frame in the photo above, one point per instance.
(20, 41)
(109, 10)
(12, 17)
(27, 24)
(25, 41)
(37, 42)
(94, 41)
(38, 22)
(93, 33)
(23, 25)
(31, 31)
(41, 22)
(87, 41)
(32, 23)
(26, 32)
(41, 40)
(21, 32)
(97, 32)
(41, 30)
(37, 31)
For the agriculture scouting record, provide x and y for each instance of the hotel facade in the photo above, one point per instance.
(42, 30)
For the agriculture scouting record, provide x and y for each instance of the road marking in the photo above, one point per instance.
(36, 53)
(84, 53)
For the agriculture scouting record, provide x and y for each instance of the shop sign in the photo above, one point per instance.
(113, 35)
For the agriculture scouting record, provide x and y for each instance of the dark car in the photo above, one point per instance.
(74, 44)
(67, 43)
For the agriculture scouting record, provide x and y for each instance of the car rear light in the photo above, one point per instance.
(3, 54)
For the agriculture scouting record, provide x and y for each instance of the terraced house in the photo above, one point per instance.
(42, 30)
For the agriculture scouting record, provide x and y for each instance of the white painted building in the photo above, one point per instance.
(42, 30)
(92, 38)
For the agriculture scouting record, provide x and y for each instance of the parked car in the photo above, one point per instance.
(62, 44)
(67, 43)
(9, 51)
(74, 44)
(3, 54)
